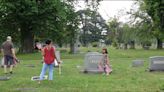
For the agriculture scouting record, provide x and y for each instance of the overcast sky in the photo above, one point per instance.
(111, 8)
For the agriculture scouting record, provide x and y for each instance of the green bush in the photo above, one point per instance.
(114, 44)
(63, 51)
(95, 44)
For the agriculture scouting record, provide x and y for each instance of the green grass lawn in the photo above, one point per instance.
(124, 78)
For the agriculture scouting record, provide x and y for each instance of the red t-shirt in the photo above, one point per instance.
(49, 55)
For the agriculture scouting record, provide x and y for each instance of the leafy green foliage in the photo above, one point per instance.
(150, 22)
(92, 25)
(40, 19)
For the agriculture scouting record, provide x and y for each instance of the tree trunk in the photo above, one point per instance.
(27, 40)
(84, 38)
(159, 43)
(132, 45)
(72, 46)
(161, 13)
(125, 46)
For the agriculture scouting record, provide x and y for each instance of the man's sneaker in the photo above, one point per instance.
(11, 72)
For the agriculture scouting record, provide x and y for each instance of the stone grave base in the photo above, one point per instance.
(4, 78)
(91, 71)
(82, 70)
(156, 63)
(137, 63)
(29, 65)
(26, 89)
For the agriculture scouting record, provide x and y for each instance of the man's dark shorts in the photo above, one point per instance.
(9, 60)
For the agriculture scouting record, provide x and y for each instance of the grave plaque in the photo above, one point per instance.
(58, 58)
(4, 78)
(137, 63)
(156, 63)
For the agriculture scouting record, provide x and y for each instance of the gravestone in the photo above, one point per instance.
(29, 65)
(25, 89)
(76, 48)
(57, 53)
(4, 78)
(137, 63)
(2, 62)
(91, 62)
(156, 63)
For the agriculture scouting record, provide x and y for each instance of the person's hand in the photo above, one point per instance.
(14, 57)
(59, 62)
(39, 46)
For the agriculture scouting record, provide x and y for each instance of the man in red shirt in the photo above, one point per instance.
(49, 57)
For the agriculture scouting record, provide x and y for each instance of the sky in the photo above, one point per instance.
(111, 8)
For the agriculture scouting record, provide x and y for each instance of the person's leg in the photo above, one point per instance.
(11, 63)
(107, 69)
(5, 64)
(44, 68)
(5, 69)
(51, 67)
(11, 69)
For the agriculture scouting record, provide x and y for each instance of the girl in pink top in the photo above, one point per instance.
(104, 64)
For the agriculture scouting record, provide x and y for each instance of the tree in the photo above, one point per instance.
(152, 13)
(72, 28)
(155, 11)
(115, 31)
(25, 15)
(30, 19)
(128, 36)
(92, 25)
(33, 19)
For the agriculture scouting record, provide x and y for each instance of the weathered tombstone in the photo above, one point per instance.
(91, 62)
(57, 55)
(137, 63)
(4, 78)
(30, 65)
(58, 58)
(156, 63)
(26, 89)
(2, 62)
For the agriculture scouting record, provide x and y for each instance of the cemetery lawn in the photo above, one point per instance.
(124, 78)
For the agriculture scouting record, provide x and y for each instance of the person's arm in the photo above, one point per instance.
(2, 52)
(42, 51)
(13, 52)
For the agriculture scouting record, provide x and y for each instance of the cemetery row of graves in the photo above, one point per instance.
(133, 71)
